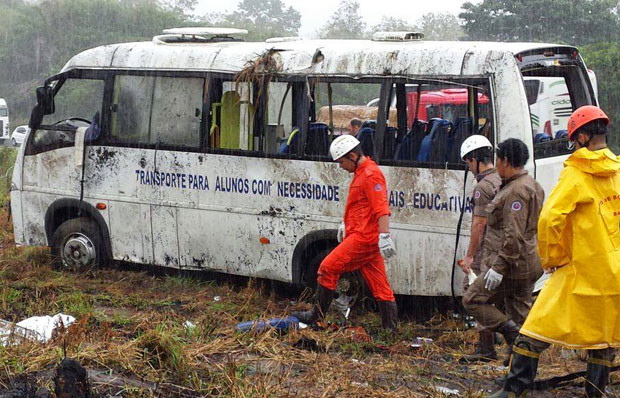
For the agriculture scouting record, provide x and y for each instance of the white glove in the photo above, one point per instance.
(386, 245)
(493, 279)
(340, 234)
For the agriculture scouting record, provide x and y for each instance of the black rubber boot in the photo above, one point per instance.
(596, 379)
(324, 298)
(510, 331)
(389, 315)
(522, 372)
(485, 348)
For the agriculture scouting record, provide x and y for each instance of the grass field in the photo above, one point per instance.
(131, 336)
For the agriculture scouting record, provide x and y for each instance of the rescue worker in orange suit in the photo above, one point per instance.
(477, 151)
(364, 236)
(509, 251)
(579, 245)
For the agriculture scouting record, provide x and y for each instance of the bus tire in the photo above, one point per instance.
(77, 245)
(351, 289)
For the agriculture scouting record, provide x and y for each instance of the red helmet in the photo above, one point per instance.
(584, 115)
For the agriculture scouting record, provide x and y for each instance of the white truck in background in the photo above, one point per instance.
(4, 121)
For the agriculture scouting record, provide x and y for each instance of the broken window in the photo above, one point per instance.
(335, 104)
(433, 118)
(232, 116)
(556, 84)
(157, 110)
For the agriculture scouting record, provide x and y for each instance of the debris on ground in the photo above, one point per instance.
(279, 324)
(448, 391)
(36, 328)
(420, 341)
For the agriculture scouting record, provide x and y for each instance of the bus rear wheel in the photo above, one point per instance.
(350, 291)
(77, 245)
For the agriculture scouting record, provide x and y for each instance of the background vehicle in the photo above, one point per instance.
(166, 152)
(550, 103)
(4, 121)
(19, 134)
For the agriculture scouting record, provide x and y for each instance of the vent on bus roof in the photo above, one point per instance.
(397, 36)
(283, 39)
(199, 35)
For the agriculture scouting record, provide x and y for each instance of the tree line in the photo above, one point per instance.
(38, 37)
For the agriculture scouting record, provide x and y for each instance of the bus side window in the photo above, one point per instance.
(131, 109)
(279, 117)
(439, 117)
(177, 111)
(232, 117)
(77, 103)
(156, 110)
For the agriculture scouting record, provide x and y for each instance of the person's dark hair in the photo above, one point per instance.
(356, 122)
(514, 150)
(483, 155)
(595, 127)
(357, 150)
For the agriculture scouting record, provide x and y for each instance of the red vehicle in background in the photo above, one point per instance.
(449, 104)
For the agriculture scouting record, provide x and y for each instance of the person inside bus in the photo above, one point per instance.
(579, 245)
(509, 252)
(364, 236)
(354, 126)
(477, 152)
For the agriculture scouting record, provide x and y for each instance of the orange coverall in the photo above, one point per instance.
(367, 202)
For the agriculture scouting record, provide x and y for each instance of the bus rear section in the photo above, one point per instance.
(4, 121)
(556, 83)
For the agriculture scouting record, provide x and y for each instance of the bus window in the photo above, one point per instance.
(78, 103)
(157, 111)
(348, 101)
(439, 116)
(562, 85)
(232, 116)
(280, 124)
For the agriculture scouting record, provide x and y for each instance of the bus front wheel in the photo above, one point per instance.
(77, 245)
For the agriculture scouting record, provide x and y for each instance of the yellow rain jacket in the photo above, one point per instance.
(578, 232)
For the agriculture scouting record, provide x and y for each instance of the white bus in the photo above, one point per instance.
(180, 152)
(4, 121)
(550, 103)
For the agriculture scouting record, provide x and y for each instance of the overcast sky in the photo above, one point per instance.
(314, 13)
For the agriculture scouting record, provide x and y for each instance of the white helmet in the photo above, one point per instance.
(474, 142)
(342, 145)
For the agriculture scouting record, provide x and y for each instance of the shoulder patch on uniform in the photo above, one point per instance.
(516, 205)
(378, 187)
(477, 194)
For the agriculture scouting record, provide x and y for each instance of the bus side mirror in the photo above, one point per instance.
(45, 99)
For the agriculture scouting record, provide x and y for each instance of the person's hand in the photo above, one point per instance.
(493, 279)
(466, 264)
(340, 234)
(386, 245)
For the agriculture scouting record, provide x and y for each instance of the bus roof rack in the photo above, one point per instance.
(283, 39)
(397, 36)
(198, 35)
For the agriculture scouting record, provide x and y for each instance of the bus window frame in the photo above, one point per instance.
(57, 82)
(475, 82)
(301, 108)
(569, 72)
